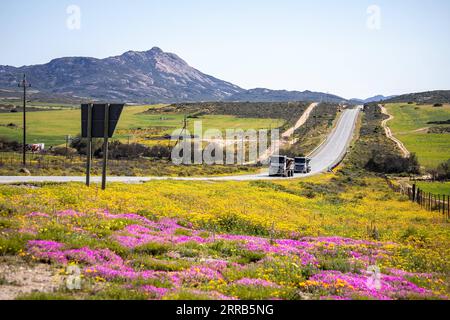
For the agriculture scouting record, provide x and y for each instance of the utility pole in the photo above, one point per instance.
(24, 84)
(184, 129)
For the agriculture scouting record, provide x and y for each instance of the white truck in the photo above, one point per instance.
(281, 166)
(302, 165)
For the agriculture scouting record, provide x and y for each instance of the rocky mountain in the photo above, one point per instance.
(152, 76)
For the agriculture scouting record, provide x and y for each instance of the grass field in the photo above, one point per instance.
(228, 240)
(435, 187)
(410, 125)
(50, 127)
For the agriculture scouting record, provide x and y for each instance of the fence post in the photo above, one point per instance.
(429, 201)
(448, 207)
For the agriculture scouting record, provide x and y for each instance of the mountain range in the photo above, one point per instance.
(152, 76)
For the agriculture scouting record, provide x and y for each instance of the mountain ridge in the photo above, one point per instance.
(152, 76)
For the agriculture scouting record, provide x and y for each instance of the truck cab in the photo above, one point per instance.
(302, 165)
(281, 166)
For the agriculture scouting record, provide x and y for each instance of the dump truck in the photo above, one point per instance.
(302, 165)
(281, 166)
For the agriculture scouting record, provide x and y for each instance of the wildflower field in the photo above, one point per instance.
(320, 238)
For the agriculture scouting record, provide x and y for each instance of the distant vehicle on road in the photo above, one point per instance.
(302, 165)
(35, 148)
(281, 166)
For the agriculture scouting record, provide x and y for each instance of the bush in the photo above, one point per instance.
(153, 248)
(62, 151)
(442, 172)
(8, 145)
(120, 151)
(383, 162)
(80, 144)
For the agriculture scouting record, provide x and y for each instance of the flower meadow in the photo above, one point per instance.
(130, 256)
(332, 237)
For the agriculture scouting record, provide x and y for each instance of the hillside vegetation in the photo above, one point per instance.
(428, 97)
(424, 130)
(290, 112)
(374, 151)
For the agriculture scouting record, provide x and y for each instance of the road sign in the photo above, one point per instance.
(98, 119)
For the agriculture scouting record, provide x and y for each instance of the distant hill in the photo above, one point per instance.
(152, 76)
(377, 98)
(266, 95)
(428, 97)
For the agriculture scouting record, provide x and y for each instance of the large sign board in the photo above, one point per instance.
(98, 119)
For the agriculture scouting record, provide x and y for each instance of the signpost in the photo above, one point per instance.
(99, 121)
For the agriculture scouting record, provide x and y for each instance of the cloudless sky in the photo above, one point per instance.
(321, 45)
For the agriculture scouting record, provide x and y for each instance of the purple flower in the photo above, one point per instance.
(256, 283)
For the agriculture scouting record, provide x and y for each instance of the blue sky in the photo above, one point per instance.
(320, 45)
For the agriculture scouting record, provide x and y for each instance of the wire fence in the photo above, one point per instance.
(49, 161)
(427, 200)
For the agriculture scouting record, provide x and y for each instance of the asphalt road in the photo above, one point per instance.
(329, 154)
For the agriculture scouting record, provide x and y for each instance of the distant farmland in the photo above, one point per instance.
(51, 127)
(417, 126)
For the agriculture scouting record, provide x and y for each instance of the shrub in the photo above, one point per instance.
(153, 248)
(8, 145)
(149, 263)
(442, 172)
(80, 144)
(386, 162)
(62, 151)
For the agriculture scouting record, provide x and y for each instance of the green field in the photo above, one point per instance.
(411, 124)
(51, 127)
(435, 187)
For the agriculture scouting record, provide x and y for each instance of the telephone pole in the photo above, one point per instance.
(24, 84)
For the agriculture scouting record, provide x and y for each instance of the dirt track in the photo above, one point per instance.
(389, 134)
